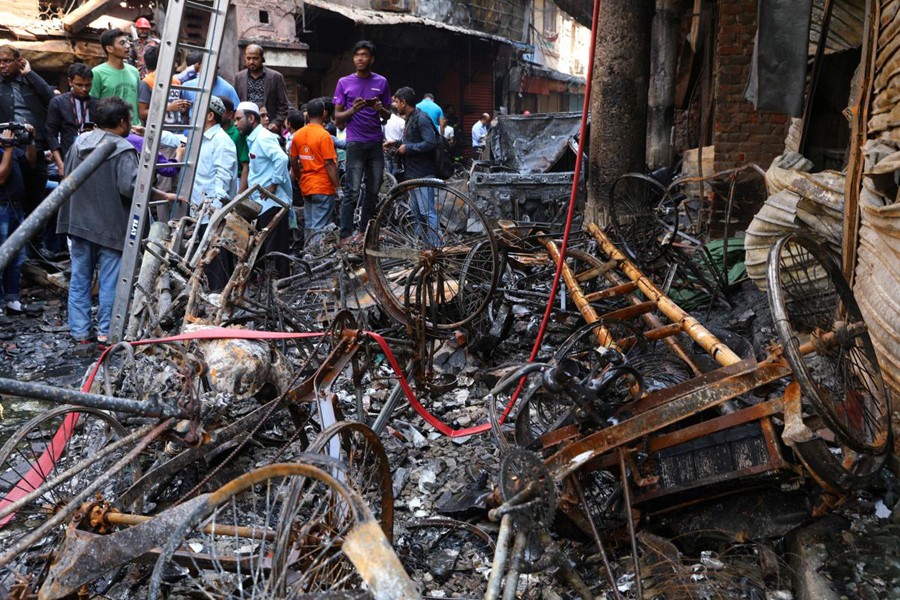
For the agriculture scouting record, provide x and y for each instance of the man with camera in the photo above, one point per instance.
(24, 97)
(70, 114)
(16, 160)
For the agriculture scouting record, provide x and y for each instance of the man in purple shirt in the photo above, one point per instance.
(359, 104)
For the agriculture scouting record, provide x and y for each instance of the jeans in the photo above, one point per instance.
(11, 217)
(318, 210)
(425, 217)
(362, 158)
(85, 257)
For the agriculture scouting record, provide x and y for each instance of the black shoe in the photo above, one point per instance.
(17, 308)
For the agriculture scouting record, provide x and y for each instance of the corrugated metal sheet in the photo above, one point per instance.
(877, 276)
(845, 29)
(370, 17)
(875, 288)
(798, 201)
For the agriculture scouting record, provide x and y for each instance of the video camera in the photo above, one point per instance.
(21, 135)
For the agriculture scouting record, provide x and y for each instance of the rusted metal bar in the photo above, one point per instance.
(630, 312)
(144, 408)
(253, 533)
(746, 415)
(691, 399)
(660, 397)
(663, 331)
(691, 326)
(858, 129)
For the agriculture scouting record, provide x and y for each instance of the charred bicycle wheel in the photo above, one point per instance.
(431, 257)
(276, 532)
(826, 342)
(644, 217)
(40, 451)
(368, 471)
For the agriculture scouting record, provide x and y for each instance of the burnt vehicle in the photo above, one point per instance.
(528, 171)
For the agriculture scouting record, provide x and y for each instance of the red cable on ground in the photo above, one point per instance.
(570, 214)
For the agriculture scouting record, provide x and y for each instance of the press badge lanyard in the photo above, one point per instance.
(79, 106)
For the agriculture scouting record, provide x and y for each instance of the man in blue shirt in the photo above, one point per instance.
(268, 168)
(220, 88)
(435, 112)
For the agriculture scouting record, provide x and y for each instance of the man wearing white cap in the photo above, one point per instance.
(215, 179)
(268, 168)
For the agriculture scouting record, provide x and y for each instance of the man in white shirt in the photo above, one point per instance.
(393, 134)
(479, 132)
(217, 165)
(215, 179)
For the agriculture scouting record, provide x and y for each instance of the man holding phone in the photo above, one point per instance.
(360, 102)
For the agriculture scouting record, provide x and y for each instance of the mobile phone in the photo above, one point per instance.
(371, 101)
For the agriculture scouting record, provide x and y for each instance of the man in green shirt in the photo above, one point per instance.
(240, 143)
(116, 77)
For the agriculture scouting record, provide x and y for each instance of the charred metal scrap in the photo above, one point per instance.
(297, 437)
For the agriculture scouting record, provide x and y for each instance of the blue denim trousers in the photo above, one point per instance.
(363, 159)
(11, 217)
(318, 210)
(86, 256)
(425, 216)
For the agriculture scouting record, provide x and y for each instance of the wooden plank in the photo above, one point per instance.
(79, 18)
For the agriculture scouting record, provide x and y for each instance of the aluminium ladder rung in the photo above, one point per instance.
(194, 47)
(177, 127)
(199, 6)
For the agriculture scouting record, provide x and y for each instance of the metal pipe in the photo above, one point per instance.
(584, 306)
(498, 566)
(253, 533)
(610, 578)
(38, 391)
(634, 545)
(35, 221)
(512, 576)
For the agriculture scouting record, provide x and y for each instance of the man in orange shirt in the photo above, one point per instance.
(314, 165)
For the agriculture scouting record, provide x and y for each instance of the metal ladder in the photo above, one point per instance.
(140, 207)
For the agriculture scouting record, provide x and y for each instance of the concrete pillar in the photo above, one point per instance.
(661, 97)
(619, 98)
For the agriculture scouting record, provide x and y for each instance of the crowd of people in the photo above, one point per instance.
(320, 156)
